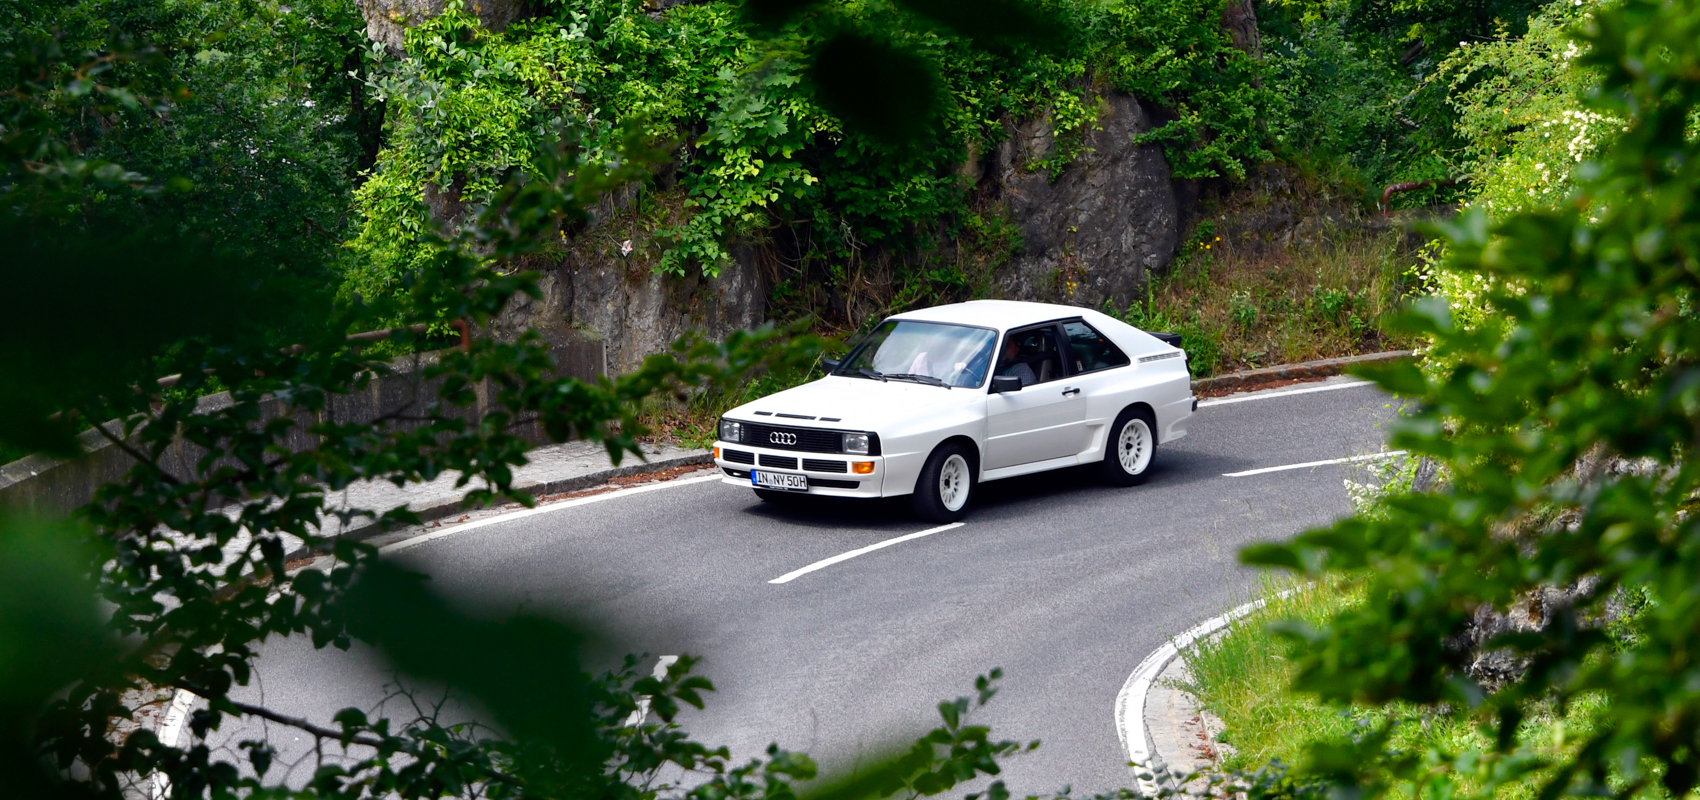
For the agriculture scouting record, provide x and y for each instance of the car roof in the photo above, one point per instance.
(1001, 314)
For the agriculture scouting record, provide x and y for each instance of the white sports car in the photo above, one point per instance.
(934, 402)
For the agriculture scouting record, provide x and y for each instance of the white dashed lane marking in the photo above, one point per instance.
(824, 563)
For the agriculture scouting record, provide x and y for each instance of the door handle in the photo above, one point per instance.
(1070, 391)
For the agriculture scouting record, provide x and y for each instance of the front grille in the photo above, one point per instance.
(808, 440)
(782, 462)
(831, 484)
(824, 465)
(738, 456)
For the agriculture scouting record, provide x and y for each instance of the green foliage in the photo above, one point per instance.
(1201, 341)
(1347, 105)
(1175, 53)
(1594, 362)
(1519, 111)
(234, 121)
(1244, 674)
(1240, 302)
(190, 563)
(50, 629)
(756, 149)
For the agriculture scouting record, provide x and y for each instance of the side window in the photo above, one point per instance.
(1089, 350)
(1034, 355)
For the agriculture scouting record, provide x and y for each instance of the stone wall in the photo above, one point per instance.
(634, 310)
(53, 486)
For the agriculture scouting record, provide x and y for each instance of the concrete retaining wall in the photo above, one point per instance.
(51, 486)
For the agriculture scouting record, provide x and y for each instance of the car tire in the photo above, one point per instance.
(946, 485)
(1130, 448)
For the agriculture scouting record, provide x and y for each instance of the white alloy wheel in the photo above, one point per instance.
(953, 482)
(1133, 446)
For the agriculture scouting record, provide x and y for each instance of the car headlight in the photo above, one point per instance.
(855, 443)
(731, 431)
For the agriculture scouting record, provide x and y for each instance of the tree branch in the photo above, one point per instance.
(293, 722)
(136, 454)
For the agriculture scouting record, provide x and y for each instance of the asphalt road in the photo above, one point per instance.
(1063, 582)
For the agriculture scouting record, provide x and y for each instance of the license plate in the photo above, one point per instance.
(782, 481)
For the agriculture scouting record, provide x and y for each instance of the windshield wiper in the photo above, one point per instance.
(868, 373)
(926, 379)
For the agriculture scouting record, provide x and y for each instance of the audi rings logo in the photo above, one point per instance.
(780, 437)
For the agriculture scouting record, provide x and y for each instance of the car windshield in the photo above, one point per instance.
(924, 352)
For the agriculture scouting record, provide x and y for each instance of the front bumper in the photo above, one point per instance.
(830, 474)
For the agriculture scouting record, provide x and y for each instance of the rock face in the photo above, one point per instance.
(388, 20)
(634, 310)
(1108, 220)
(1091, 235)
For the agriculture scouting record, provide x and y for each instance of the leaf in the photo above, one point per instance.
(1401, 378)
(887, 93)
(993, 22)
(1272, 555)
(525, 669)
(51, 637)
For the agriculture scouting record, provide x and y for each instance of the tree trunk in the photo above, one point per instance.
(1239, 18)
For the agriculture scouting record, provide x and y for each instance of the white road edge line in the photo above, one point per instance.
(1222, 401)
(543, 509)
(660, 671)
(823, 564)
(1308, 464)
(1130, 701)
(177, 716)
(171, 732)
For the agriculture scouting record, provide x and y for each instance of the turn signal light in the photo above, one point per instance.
(862, 467)
(717, 453)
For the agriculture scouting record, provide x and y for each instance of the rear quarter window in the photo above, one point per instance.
(1090, 350)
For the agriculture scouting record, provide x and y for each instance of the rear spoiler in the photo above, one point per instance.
(1170, 339)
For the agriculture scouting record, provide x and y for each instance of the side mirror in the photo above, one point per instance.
(1005, 383)
(831, 365)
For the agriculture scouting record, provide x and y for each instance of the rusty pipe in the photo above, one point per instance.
(465, 334)
(1406, 186)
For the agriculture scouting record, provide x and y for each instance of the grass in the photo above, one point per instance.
(1252, 287)
(1243, 675)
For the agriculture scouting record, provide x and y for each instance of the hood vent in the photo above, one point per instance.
(794, 416)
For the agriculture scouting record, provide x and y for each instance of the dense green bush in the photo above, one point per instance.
(754, 149)
(1566, 433)
(234, 122)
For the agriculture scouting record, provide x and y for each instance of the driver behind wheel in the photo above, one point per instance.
(1008, 366)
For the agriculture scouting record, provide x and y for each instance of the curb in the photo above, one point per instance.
(572, 484)
(1323, 368)
(1151, 772)
(448, 508)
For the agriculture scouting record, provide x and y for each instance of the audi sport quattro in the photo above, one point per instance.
(932, 403)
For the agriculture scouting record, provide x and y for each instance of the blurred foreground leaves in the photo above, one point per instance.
(194, 567)
(50, 630)
(881, 89)
(1566, 432)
